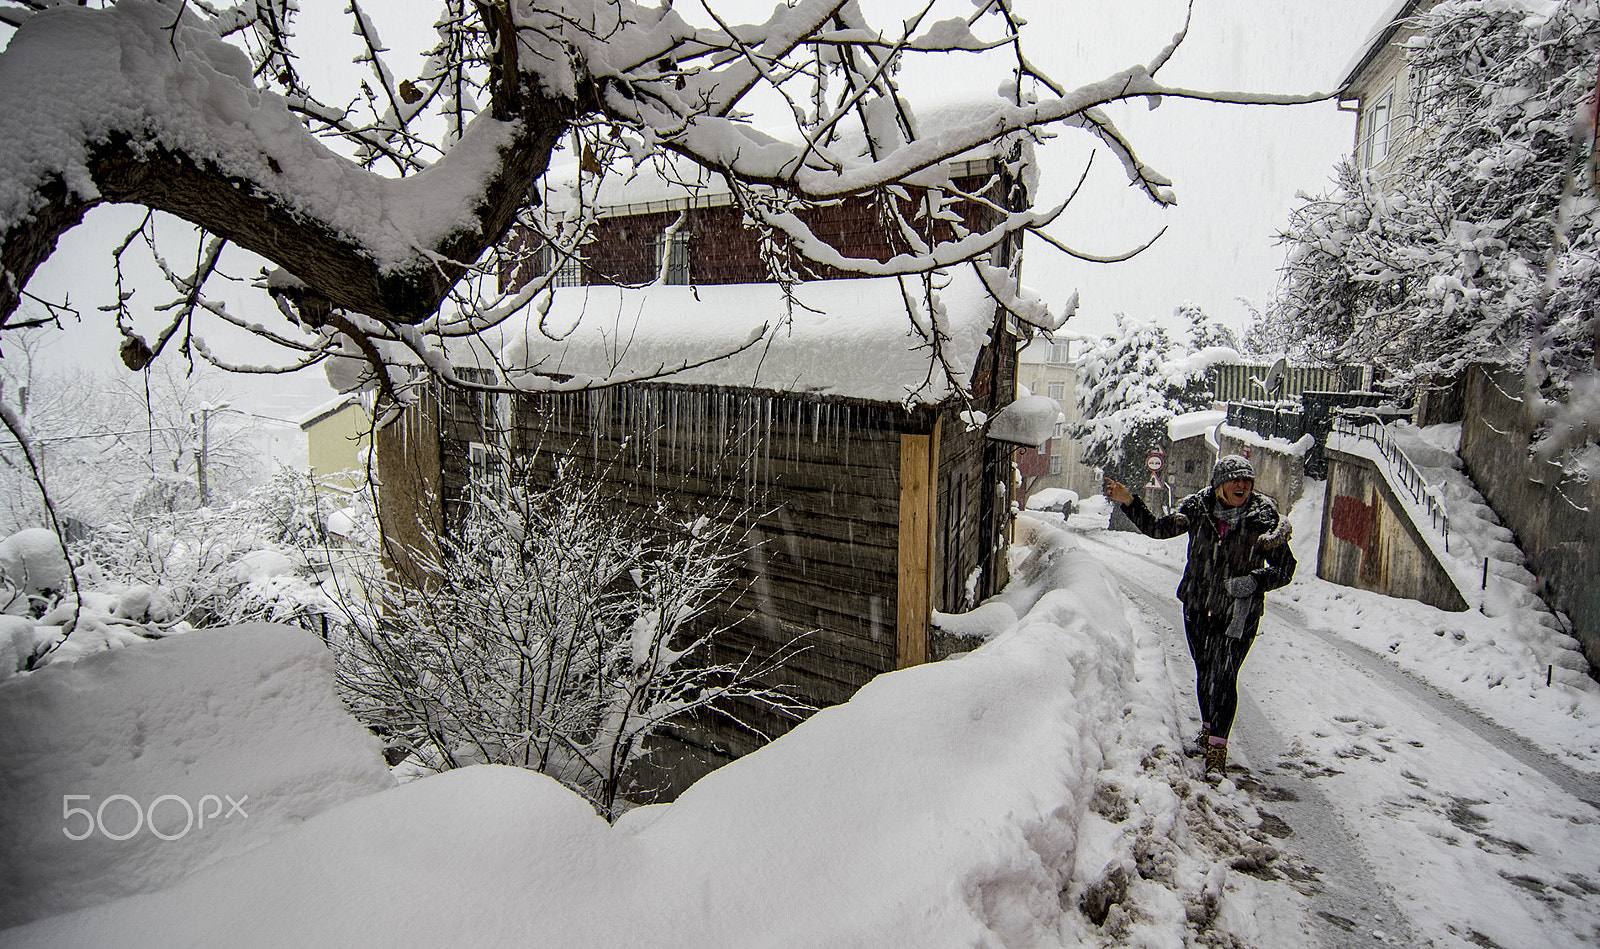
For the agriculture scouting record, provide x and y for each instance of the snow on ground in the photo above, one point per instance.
(1509, 657)
(1007, 797)
(1026, 793)
(195, 719)
(1478, 847)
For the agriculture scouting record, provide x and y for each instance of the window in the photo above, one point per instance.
(1055, 464)
(1056, 390)
(1060, 352)
(488, 468)
(674, 259)
(1424, 96)
(568, 268)
(1060, 430)
(1375, 119)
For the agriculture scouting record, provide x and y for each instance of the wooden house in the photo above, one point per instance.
(856, 462)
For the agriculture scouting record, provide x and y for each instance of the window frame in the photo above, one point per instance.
(676, 271)
(1377, 127)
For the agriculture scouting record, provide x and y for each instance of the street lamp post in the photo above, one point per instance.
(206, 411)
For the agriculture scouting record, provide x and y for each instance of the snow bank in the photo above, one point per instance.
(247, 713)
(939, 807)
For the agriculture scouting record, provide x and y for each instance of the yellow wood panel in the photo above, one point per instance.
(919, 467)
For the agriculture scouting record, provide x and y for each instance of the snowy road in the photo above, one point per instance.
(1405, 818)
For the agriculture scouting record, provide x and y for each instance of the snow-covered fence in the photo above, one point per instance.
(1311, 414)
(1242, 382)
(1273, 420)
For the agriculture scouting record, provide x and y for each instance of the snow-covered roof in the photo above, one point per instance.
(849, 338)
(1046, 499)
(1029, 420)
(1377, 38)
(1191, 424)
(328, 408)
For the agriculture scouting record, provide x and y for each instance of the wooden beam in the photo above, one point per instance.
(919, 472)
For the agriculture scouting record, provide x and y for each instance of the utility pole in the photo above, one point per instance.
(200, 458)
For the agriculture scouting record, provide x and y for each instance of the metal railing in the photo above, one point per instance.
(1270, 421)
(1368, 425)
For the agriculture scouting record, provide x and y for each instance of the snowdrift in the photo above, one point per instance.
(940, 807)
(143, 743)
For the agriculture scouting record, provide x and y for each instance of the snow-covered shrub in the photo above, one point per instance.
(294, 509)
(174, 570)
(33, 572)
(1482, 245)
(549, 632)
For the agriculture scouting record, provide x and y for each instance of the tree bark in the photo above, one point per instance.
(333, 265)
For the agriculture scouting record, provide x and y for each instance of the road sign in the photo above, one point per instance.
(1155, 461)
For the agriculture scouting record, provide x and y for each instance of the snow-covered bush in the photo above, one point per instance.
(33, 572)
(200, 561)
(1482, 244)
(175, 570)
(549, 632)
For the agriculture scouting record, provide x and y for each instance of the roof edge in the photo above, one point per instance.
(1377, 42)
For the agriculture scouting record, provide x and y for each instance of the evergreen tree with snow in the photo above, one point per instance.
(1205, 330)
(1129, 386)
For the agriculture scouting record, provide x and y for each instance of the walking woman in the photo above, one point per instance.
(1238, 550)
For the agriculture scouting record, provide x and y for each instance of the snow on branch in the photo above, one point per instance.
(203, 113)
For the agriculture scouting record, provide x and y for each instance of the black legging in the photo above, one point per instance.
(1217, 658)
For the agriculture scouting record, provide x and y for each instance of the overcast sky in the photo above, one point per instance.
(1235, 169)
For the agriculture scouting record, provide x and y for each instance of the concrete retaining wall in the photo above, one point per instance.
(1556, 521)
(1370, 543)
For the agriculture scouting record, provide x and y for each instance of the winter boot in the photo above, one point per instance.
(1201, 742)
(1217, 757)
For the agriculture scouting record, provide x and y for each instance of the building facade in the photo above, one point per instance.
(1048, 368)
(1386, 92)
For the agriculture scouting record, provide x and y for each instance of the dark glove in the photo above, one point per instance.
(1242, 586)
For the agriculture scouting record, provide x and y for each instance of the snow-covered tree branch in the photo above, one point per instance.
(372, 214)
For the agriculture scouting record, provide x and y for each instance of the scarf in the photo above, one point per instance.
(1227, 518)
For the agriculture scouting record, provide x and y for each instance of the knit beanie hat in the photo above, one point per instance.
(1231, 467)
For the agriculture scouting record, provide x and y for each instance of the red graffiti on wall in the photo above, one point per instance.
(1352, 520)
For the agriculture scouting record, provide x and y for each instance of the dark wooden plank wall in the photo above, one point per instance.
(814, 482)
(975, 489)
